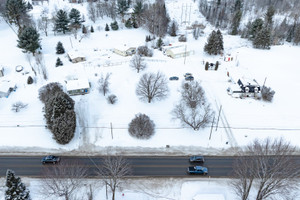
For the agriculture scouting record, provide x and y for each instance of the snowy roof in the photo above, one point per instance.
(5, 85)
(77, 84)
(124, 47)
(74, 54)
(180, 49)
(209, 197)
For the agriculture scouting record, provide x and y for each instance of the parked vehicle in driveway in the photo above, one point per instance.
(189, 78)
(197, 170)
(51, 159)
(173, 78)
(196, 159)
(187, 74)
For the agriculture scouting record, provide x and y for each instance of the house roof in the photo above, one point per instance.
(5, 85)
(124, 47)
(75, 54)
(77, 84)
(180, 49)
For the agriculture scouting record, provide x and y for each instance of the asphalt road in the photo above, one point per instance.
(141, 166)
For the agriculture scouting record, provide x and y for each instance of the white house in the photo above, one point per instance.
(179, 52)
(75, 57)
(124, 50)
(78, 86)
(165, 48)
(6, 87)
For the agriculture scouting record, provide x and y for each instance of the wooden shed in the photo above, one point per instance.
(75, 57)
(179, 52)
(78, 86)
(124, 50)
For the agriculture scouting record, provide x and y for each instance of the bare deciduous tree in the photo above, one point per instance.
(137, 62)
(104, 84)
(271, 168)
(62, 180)
(18, 106)
(193, 109)
(152, 86)
(43, 22)
(113, 170)
(92, 11)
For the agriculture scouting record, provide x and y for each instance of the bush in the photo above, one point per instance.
(128, 23)
(141, 127)
(18, 106)
(58, 62)
(206, 66)
(112, 99)
(144, 51)
(217, 66)
(84, 30)
(29, 80)
(49, 90)
(267, 93)
(106, 27)
(114, 26)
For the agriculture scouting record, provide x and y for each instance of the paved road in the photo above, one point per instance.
(141, 166)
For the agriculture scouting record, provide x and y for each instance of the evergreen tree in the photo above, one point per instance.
(58, 62)
(291, 33)
(61, 21)
(15, 11)
(214, 43)
(114, 25)
(29, 40)
(206, 66)
(236, 22)
(269, 17)
(59, 48)
(75, 18)
(29, 6)
(262, 39)
(128, 23)
(122, 7)
(106, 27)
(173, 29)
(92, 29)
(16, 190)
(138, 10)
(256, 27)
(84, 31)
(297, 35)
(159, 43)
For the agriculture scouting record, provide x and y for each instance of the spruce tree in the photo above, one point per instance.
(262, 39)
(106, 27)
(29, 6)
(236, 22)
(58, 62)
(214, 43)
(59, 48)
(15, 10)
(173, 29)
(61, 21)
(29, 40)
(128, 23)
(159, 43)
(84, 31)
(92, 29)
(297, 36)
(256, 27)
(16, 190)
(75, 19)
(219, 41)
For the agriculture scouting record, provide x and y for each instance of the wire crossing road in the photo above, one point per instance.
(159, 166)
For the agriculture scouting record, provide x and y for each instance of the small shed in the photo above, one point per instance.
(179, 52)
(124, 50)
(6, 87)
(75, 57)
(78, 86)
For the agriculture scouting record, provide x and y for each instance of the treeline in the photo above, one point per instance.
(251, 18)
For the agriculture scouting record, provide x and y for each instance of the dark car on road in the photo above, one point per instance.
(173, 78)
(197, 170)
(196, 159)
(50, 159)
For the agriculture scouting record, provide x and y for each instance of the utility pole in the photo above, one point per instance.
(111, 131)
(212, 125)
(218, 118)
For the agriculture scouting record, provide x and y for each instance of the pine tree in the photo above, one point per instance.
(58, 62)
(219, 42)
(106, 27)
(128, 23)
(122, 7)
(84, 30)
(15, 10)
(92, 29)
(138, 10)
(159, 43)
(262, 39)
(214, 43)
(75, 18)
(173, 29)
(16, 190)
(59, 48)
(29, 40)
(114, 25)
(61, 21)
(256, 27)
(209, 46)
(269, 17)
(236, 22)
(297, 35)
